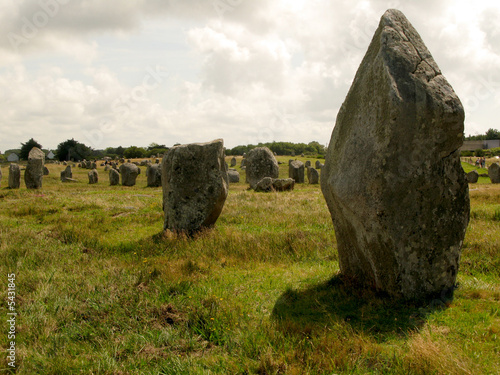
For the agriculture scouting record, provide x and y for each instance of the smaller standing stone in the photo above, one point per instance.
(153, 173)
(296, 171)
(233, 176)
(494, 173)
(313, 175)
(45, 171)
(33, 175)
(93, 177)
(472, 177)
(129, 173)
(318, 164)
(233, 162)
(260, 163)
(114, 177)
(67, 173)
(308, 163)
(14, 176)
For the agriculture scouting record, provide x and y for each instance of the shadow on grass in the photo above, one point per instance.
(340, 301)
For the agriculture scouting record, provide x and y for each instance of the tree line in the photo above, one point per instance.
(490, 135)
(74, 150)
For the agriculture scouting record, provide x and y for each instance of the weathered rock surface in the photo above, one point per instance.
(296, 171)
(93, 177)
(233, 162)
(129, 173)
(14, 176)
(233, 176)
(494, 173)
(195, 185)
(313, 176)
(33, 175)
(268, 184)
(260, 162)
(114, 177)
(472, 177)
(153, 174)
(392, 178)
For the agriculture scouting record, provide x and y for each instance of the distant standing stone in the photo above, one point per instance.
(195, 185)
(129, 173)
(318, 164)
(67, 173)
(14, 176)
(296, 171)
(45, 170)
(93, 177)
(233, 176)
(153, 173)
(392, 178)
(494, 173)
(313, 176)
(473, 176)
(308, 163)
(260, 163)
(33, 175)
(114, 177)
(233, 162)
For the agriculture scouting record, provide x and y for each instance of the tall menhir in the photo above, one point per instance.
(392, 178)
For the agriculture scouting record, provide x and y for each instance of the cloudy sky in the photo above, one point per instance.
(134, 72)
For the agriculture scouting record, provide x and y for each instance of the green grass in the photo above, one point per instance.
(101, 290)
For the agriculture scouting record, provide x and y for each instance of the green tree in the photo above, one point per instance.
(493, 134)
(73, 150)
(134, 152)
(26, 148)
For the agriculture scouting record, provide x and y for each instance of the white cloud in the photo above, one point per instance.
(247, 71)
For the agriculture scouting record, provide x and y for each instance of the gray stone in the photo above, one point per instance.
(296, 171)
(494, 173)
(472, 177)
(268, 184)
(93, 177)
(233, 162)
(392, 178)
(45, 170)
(67, 173)
(233, 176)
(129, 173)
(313, 176)
(318, 164)
(260, 163)
(14, 176)
(242, 163)
(33, 176)
(265, 185)
(195, 185)
(308, 163)
(153, 173)
(114, 177)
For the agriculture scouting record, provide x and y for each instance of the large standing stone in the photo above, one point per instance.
(93, 177)
(260, 162)
(153, 173)
(313, 175)
(494, 173)
(14, 176)
(296, 171)
(129, 173)
(33, 175)
(392, 178)
(195, 185)
(114, 177)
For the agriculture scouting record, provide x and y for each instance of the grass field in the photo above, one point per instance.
(101, 290)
